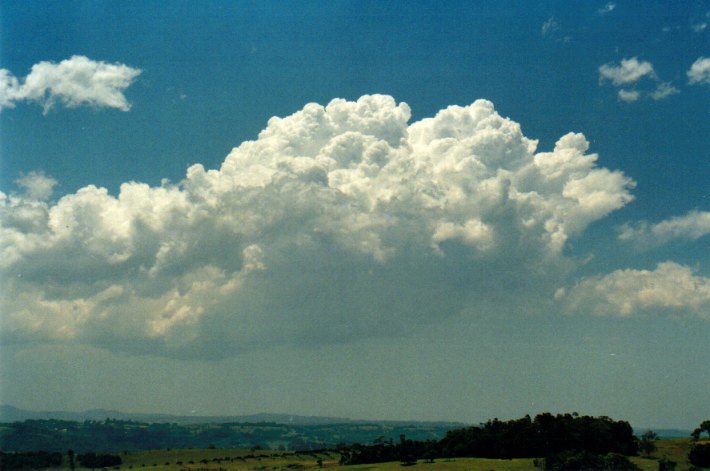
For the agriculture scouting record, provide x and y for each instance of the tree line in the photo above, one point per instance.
(557, 442)
(546, 435)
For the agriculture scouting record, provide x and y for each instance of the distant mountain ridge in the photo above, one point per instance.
(664, 432)
(13, 414)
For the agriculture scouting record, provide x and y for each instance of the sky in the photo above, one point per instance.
(374, 210)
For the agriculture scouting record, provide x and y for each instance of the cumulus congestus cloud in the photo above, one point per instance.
(337, 222)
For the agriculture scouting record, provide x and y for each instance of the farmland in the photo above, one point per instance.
(555, 442)
(243, 459)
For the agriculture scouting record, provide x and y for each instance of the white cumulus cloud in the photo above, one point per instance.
(699, 72)
(72, 82)
(670, 288)
(337, 222)
(628, 71)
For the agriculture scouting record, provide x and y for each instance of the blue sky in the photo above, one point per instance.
(453, 267)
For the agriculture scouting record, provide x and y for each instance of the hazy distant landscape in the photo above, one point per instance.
(109, 431)
(14, 414)
(561, 442)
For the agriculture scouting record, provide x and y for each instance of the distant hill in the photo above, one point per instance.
(664, 432)
(13, 414)
(106, 431)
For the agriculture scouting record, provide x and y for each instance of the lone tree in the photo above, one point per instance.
(407, 455)
(704, 427)
(647, 445)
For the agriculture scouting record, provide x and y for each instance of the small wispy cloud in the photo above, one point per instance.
(663, 90)
(552, 30)
(629, 95)
(77, 81)
(691, 226)
(550, 26)
(606, 9)
(699, 27)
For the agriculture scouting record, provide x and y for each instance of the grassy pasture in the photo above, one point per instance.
(674, 449)
(246, 459)
(243, 459)
(471, 464)
(225, 459)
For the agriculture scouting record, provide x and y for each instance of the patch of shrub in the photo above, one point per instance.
(33, 460)
(93, 461)
(664, 464)
(700, 455)
(584, 460)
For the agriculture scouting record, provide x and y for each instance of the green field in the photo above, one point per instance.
(675, 449)
(250, 459)
(226, 459)
(473, 464)
(241, 459)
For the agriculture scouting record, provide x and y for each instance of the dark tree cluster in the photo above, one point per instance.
(545, 436)
(406, 451)
(30, 460)
(93, 461)
(700, 455)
